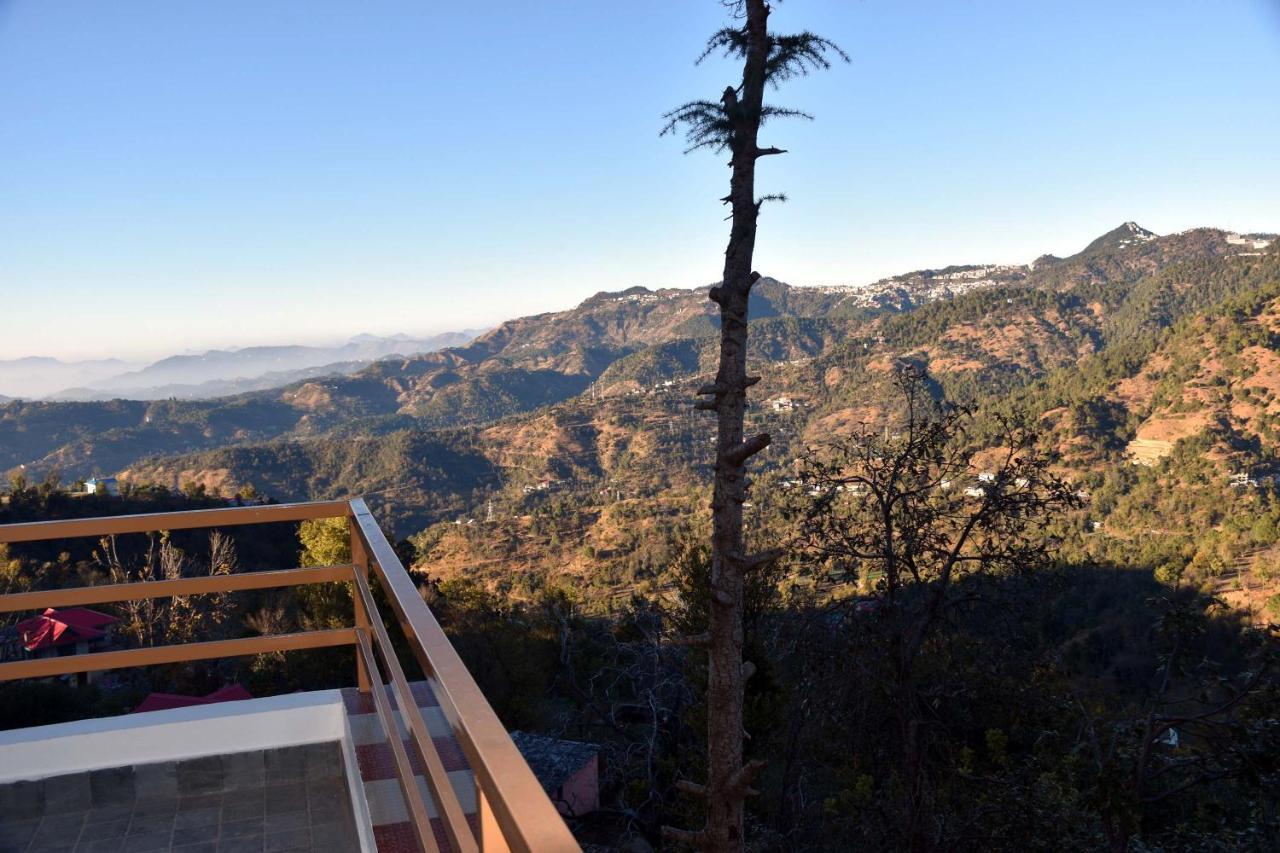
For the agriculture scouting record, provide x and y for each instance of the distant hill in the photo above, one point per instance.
(437, 474)
(229, 371)
(35, 376)
(220, 387)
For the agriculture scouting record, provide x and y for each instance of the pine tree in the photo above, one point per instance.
(733, 125)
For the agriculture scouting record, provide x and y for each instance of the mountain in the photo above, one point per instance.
(1128, 234)
(35, 376)
(219, 371)
(217, 388)
(223, 387)
(573, 405)
(603, 490)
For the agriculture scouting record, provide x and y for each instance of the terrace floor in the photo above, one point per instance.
(289, 800)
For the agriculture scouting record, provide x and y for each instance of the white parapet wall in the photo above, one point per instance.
(247, 725)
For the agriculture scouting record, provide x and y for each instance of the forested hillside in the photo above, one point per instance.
(565, 445)
(1135, 343)
(983, 330)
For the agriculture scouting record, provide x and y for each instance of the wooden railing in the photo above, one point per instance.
(514, 813)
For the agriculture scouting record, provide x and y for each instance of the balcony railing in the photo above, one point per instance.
(514, 813)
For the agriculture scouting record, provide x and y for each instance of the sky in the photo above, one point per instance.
(177, 175)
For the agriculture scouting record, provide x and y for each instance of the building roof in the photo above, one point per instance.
(80, 617)
(60, 627)
(165, 701)
(553, 761)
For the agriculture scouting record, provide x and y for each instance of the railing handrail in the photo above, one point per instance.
(190, 519)
(110, 593)
(175, 653)
(514, 811)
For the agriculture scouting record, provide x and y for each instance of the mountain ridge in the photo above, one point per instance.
(981, 326)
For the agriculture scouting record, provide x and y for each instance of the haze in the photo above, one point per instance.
(180, 176)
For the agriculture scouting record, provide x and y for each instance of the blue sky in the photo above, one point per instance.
(181, 174)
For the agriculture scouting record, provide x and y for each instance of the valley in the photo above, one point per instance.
(565, 445)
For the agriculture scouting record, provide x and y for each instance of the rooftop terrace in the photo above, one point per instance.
(315, 771)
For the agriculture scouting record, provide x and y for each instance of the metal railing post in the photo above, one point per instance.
(360, 564)
(491, 839)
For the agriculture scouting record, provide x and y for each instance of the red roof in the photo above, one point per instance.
(81, 617)
(165, 701)
(60, 627)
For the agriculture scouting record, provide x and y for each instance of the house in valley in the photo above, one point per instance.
(568, 770)
(58, 633)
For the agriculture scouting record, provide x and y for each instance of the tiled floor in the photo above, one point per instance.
(281, 801)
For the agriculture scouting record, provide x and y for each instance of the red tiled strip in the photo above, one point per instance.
(362, 703)
(399, 838)
(376, 761)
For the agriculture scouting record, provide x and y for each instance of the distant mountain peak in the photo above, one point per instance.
(1128, 234)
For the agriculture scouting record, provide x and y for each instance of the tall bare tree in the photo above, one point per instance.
(181, 619)
(733, 124)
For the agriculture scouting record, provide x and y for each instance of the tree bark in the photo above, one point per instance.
(728, 779)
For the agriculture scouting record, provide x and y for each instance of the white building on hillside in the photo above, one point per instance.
(108, 485)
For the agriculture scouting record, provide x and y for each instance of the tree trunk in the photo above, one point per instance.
(728, 780)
